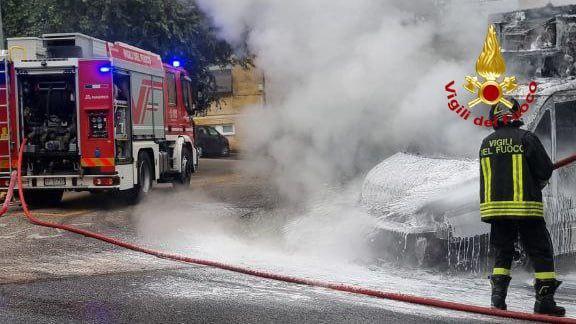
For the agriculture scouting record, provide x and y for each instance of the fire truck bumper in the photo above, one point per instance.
(71, 182)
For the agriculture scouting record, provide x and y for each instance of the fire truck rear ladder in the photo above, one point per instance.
(5, 133)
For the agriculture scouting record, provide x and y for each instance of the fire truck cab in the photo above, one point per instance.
(96, 116)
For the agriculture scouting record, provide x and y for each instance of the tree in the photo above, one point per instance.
(171, 28)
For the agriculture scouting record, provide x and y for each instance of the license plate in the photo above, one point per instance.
(50, 182)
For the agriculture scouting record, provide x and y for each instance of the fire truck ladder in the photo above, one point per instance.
(6, 157)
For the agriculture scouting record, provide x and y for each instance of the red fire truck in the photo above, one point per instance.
(96, 116)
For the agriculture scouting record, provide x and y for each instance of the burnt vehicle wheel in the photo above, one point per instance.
(429, 251)
(411, 249)
(43, 198)
(144, 186)
(182, 182)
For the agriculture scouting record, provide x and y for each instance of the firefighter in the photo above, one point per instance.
(514, 168)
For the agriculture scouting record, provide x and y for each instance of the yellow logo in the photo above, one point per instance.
(490, 66)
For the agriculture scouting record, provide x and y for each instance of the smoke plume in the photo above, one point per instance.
(351, 82)
(348, 83)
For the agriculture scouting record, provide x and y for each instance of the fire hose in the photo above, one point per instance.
(565, 161)
(279, 277)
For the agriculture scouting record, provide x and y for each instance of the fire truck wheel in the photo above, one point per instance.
(183, 180)
(43, 198)
(144, 185)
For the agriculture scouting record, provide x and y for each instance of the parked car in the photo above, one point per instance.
(210, 142)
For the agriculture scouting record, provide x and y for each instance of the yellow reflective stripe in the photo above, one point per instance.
(512, 210)
(487, 173)
(514, 177)
(517, 205)
(533, 208)
(483, 176)
(520, 178)
(517, 177)
(501, 271)
(507, 212)
(512, 204)
(489, 186)
(527, 202)
(545, 275)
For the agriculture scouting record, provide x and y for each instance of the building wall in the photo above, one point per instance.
(247, 91)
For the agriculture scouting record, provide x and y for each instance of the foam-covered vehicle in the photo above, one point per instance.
(431, 205)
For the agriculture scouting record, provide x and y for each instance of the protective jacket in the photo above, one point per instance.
(514, 167)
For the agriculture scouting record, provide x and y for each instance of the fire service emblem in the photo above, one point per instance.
(490, 66)
(490, 85)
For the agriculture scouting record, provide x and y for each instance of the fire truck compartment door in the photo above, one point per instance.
(158, 104)
(147, 105)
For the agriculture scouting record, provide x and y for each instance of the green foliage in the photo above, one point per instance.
(171, 28)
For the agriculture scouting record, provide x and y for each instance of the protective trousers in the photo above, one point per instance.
(535, 239)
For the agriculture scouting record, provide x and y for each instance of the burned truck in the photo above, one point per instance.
(433, 208)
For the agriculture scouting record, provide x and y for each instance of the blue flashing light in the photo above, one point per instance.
(176, 63)
(105, 69)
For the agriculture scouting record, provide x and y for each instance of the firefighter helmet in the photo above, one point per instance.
(501, 115)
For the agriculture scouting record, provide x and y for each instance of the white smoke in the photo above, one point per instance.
(348, 83)
(351, 82)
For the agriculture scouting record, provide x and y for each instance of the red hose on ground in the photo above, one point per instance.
(340, 287)
(9, 194)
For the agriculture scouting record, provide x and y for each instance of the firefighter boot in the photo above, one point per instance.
(545, 304)
(499, 290)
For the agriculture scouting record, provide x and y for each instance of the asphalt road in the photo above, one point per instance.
(50, 276)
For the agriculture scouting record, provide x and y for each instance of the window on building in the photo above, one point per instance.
(171, 84)
(223, 81)
(226, 129)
